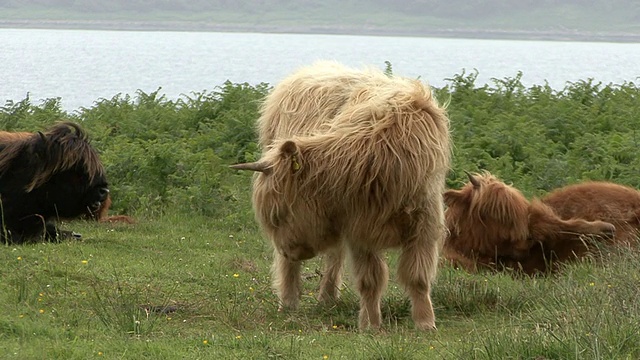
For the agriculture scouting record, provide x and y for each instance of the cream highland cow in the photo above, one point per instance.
(354, 161)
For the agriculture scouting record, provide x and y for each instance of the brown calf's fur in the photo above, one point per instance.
(354, 162)
(605, 201)
(492, 225)
(102, 215)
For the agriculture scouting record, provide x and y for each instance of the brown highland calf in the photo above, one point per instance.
(492, 225)
(605, 201)
(353, 161)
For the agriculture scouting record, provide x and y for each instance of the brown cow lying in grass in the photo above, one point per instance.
(492, 225)
(605, 201)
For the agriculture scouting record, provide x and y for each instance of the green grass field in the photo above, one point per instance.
(190, 280)
(179, 287)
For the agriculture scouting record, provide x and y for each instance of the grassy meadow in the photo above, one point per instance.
(190, 280)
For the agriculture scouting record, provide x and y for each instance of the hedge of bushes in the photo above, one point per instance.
(163, 154)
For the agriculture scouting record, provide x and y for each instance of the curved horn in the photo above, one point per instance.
(253, 166)
(472, 179)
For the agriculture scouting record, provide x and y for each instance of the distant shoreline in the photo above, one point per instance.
(496, 34)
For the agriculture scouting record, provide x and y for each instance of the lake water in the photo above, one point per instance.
(82, 66)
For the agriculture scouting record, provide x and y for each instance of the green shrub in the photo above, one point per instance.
(172, 154)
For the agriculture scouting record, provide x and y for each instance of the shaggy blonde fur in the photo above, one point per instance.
(492, 225)
(354, 161)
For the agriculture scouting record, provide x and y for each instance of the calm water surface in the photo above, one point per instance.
(82, 66)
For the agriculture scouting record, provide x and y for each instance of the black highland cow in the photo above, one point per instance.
(45, 177)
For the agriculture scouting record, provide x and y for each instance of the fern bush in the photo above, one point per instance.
(163, 154)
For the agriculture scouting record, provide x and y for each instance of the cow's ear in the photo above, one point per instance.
(291, 151)
(289, 148)
(450, 196)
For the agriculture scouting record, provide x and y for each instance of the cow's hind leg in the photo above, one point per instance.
(417, 266)
(287, 280)
(332, 277)
(414, 272)
(371, 275)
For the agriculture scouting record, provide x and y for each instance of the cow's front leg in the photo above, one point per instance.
(371, 274)
(332, 277)
(287, 281)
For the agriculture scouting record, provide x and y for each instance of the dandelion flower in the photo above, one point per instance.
(325, 357)
(236, 275)
(335, 327)
(592, 284)
(41, 311)
(19, 258)
(205, 342)
(99, 353)
(238, 336)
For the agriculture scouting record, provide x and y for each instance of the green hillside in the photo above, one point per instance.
(554, 19)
